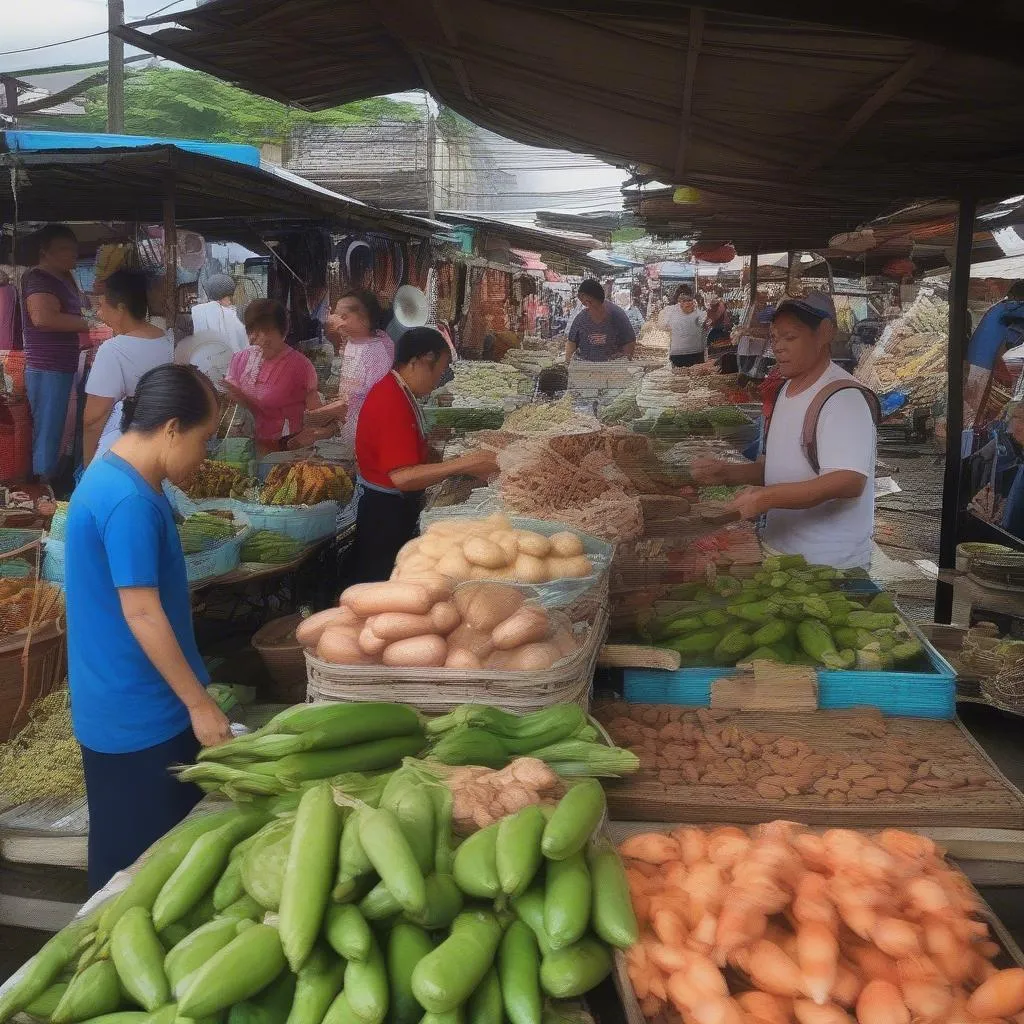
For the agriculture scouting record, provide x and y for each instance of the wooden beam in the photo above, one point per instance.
(956, 354)
(693, 44)
(923, 58)
(170, 253)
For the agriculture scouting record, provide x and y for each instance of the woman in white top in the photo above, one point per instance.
(219, 316)
(820, 503)
(686, 324)
(137, 346)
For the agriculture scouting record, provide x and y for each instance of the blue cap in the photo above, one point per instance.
(816, 303)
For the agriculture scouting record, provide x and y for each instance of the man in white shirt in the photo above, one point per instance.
(686, 324)
(825, 514)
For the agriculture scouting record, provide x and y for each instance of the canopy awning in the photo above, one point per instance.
(56, 177)
(810, 120)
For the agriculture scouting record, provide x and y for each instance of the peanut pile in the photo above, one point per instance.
(685, 746)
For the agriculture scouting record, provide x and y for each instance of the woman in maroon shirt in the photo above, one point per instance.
(52, 304)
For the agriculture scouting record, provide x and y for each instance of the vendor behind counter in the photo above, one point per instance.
(393, 459)
(818, 496)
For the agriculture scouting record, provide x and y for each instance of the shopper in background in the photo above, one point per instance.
(52, 305)
(218, 317)
(601, 331)
(393, 459)
(633, 311)
(826, 514)
(718, 321)
(120, 362)
(686, 324)
(359, 323)
(10, 321)
(137, 679)
(274, 381)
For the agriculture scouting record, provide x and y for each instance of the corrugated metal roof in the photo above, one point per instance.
(808, 121)
(51, 182)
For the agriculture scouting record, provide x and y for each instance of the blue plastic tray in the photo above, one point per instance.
(907, 694)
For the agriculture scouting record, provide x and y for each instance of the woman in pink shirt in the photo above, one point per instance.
(273, 381)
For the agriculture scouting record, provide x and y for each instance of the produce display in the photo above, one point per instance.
(492, 549)
(214, 479)
(911, 353)
(202, 531)
(674, 423)
(483, 383)
(789, 612)
(780, 924)
(43, 759)
(856, 759)
(28, 602)
(549, 417)
(308, 743)
(574, 479)
(424, 621)
(560, 735)
(347, 908)
(269, 548)
(620, 410)
(353, 745)
(531, 361)
(305, 483)
(465, 418)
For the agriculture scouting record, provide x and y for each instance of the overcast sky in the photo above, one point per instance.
(34, 23)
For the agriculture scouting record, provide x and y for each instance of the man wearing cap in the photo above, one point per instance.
(815, 481)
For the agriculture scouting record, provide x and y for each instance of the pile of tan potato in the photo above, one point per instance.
(428, 622)
(492, 549)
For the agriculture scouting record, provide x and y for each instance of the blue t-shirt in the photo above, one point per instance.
(121, 533)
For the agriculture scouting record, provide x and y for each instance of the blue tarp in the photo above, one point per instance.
(47, 142)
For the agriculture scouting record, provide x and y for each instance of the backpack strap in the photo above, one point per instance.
(809, 435)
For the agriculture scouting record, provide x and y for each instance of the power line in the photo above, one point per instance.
(46, 46)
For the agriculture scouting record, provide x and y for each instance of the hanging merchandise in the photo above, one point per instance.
(712, 252)
(899, 268)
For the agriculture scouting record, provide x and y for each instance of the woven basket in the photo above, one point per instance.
(283, 658)
(437, 690)
(30, 668)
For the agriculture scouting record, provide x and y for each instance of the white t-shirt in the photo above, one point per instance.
(119, 363)
(838, 532)
(221, 320)
(686, 328)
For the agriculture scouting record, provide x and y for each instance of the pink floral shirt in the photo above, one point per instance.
(277, 387)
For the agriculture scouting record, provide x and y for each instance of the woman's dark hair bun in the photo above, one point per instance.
(127, 413)
(165, 393)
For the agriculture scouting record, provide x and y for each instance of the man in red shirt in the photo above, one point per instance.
(393, 459)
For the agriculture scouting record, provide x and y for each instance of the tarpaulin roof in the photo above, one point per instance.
(810, 120)
(57, 177)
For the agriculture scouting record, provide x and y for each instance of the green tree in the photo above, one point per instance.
(176, 103)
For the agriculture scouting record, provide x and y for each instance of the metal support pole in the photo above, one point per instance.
(115, 68)
(431, 155)
(753, 277)
(958, 337)
(170, 256)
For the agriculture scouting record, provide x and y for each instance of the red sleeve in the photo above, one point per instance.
(400, 445)
(387, 437)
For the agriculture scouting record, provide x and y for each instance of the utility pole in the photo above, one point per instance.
(115, 68)
(431, 136)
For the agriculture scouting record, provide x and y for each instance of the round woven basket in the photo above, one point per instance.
(283, 657)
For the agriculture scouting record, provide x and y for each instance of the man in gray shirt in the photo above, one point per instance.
(602, 330)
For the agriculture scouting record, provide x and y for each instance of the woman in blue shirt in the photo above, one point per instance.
(138, 697)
